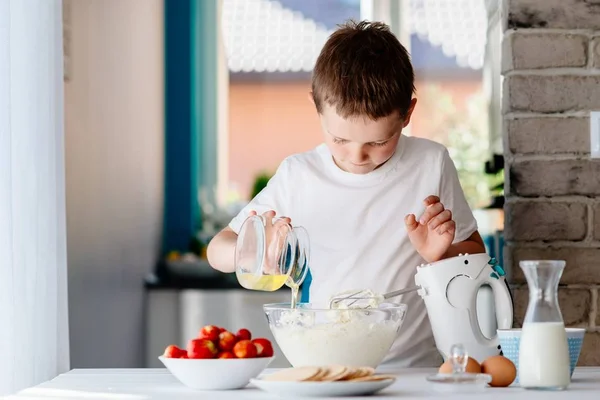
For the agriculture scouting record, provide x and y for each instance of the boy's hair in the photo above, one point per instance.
(363, 70)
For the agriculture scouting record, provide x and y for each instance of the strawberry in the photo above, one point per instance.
(225, 354)
(173, 351)
(264, 348)
(209, 332)
(243, 334)
(201, 348)
(226, 341)
(244, 349)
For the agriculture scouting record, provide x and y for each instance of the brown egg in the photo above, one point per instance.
(472, 367)
(502, 370)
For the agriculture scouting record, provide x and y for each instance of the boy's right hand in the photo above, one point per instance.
(275, 237)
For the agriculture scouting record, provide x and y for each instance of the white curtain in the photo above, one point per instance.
(33, 265)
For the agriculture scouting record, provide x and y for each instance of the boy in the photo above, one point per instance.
(361, 193)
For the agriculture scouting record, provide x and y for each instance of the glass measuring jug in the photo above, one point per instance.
(544, 350)
(271, 255)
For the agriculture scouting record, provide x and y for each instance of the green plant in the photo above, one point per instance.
(466, 136)
(497, 183)
(260, 182)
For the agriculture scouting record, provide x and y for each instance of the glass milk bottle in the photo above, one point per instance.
(544, 350)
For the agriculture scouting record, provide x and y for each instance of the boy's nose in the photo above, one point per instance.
(359, 156)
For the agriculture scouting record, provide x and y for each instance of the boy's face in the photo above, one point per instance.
(360, 145)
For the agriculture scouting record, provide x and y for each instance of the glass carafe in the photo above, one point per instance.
(271, 255)
(544, 350)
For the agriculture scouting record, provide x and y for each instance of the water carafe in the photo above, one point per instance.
(544, 350)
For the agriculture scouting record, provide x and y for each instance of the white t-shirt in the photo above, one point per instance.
(358, 238)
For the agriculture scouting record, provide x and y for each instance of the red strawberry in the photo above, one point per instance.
(243, 334)
(173, 351)
(226, 341)
(209, 332)
(201, 348)
(244, 349)
(264, 348)
(226, 354)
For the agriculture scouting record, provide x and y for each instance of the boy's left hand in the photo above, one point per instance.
(433, 234)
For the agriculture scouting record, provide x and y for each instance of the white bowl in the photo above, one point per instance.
(216, 374)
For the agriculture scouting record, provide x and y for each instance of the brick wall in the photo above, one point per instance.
(551, 69)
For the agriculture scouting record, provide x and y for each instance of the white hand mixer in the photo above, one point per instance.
(451, 289)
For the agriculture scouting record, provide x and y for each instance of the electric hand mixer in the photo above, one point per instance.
(451, 290)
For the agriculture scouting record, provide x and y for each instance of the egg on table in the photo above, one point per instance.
(472, 367)
(501, 369)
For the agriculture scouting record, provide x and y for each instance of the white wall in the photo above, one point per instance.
(114, 170)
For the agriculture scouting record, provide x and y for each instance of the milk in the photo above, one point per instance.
(544, 356)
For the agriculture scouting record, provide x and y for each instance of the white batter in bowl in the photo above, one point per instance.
(352, 337)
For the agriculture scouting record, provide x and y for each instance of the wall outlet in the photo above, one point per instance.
(595, 134)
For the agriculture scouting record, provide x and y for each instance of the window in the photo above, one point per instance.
(271, 47)
(254, 73)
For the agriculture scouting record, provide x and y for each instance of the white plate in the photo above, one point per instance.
(321, 389)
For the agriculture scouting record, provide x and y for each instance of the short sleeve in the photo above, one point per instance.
(453, 199)
(275, 196)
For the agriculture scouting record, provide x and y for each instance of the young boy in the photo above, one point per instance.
(362, 193)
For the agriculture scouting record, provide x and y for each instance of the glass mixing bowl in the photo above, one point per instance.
(352, 337)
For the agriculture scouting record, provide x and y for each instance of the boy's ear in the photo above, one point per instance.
(311, 98)
(411, 108)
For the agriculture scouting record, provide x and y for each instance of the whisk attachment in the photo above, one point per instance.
(363, 299)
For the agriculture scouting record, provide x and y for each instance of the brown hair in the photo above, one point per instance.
(363, 70)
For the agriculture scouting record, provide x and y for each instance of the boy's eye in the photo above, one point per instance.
(342, 141)
(379, 143)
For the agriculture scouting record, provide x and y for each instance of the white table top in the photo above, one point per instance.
(158, 383)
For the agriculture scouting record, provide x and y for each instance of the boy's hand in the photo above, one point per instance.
(275, 237)
(433, 234)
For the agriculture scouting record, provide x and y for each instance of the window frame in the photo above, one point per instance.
(195, 116)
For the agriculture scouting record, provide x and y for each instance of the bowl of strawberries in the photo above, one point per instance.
(218, 359)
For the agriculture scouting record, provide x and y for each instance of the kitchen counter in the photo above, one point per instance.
(158, 383)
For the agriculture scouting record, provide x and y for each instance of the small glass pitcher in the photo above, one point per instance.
(544, 350)
(271, 255)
